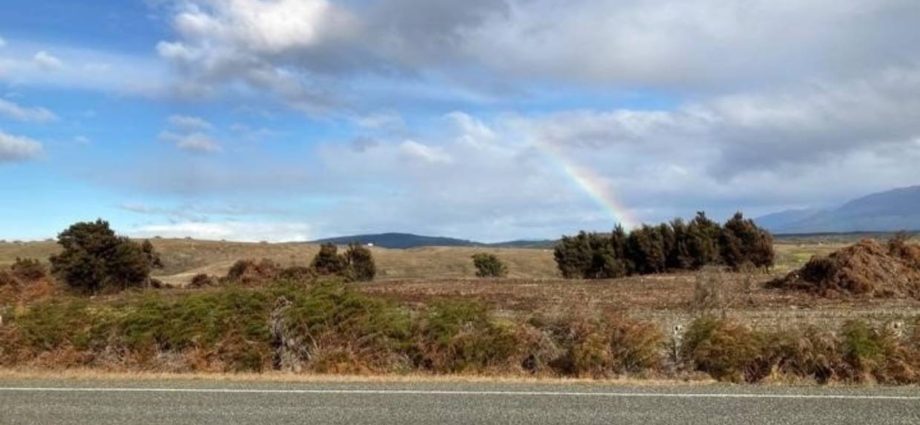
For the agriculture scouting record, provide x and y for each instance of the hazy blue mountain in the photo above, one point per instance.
(408, 240)
(889, 211)
(785, 218)
(399, 240)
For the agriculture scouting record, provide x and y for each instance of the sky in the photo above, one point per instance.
(492, 120)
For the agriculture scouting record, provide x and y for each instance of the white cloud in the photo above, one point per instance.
(189, 123)
(191, 134)
(26, 114)
(17, 148)
(229, 230)
(47, 61)
(2, 42)
(192, 142)
(70, 67)
(430, 154)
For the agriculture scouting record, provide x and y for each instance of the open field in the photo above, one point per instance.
(183, 258)
(427, 313)
(421, 275)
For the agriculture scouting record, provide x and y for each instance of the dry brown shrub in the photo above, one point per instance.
(201, 280)
(866, 268)
(252, 272)
(726, 350)
(807, 352)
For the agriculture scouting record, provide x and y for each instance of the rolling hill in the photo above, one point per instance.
(398, 240)
(409, 240)
(889, 211)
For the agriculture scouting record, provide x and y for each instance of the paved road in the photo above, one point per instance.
(196, 402)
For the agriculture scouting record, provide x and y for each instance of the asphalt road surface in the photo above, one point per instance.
(37, 402)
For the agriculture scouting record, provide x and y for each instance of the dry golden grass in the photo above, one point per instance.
(284, 377)
(184, 258)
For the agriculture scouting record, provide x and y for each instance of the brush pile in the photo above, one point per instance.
(866, 268)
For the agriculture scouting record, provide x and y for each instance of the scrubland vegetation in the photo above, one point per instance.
(328, 327)
(321, 315)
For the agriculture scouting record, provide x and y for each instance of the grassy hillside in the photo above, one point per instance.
(184, 258)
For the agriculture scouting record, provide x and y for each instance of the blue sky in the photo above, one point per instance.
(300, 119)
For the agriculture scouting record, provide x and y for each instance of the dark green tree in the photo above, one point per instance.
(328, 261)
(153, 257)
(574, 256)
(703, 241)
(742, 244)
(93, 259)
(645, 247)
(359, 263)
(488, 265)
(679, 257)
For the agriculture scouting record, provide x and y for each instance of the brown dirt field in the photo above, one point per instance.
(664, 299)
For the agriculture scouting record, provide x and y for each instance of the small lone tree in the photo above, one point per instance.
(488, 265)
(94, 258)
(359, 263)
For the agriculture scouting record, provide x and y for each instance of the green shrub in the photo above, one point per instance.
(488, 265)
(328, 262)
(461, 336)
(878, 353)
(359, 264)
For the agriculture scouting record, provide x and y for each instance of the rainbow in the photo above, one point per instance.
(595, 186)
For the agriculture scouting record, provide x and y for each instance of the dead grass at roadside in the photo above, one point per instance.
(277, 377)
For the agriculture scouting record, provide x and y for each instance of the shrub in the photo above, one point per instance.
(877, 353)
(250, 272)
(488, 265)
(28, 270)
(634, 346)
(297, 274)
(201, 280)
(359, 263)
(723, 349)
(328, 261)
(95, 259)
(460, 336)
(615, 344)
(807, 352)
(334, 320)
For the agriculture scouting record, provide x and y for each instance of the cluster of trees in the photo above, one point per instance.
(95, 259)
(667, 247)
(355, 264)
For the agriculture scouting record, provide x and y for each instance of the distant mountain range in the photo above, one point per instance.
(408, 240)
(889, 211)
